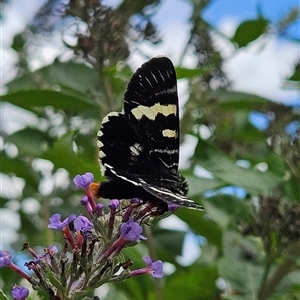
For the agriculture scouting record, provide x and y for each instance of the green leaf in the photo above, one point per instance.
(296, 75)
(62, 156)
(66, 76)
(17, 167)
(33, 99)
(54, 280)
(218, 215)
(237, 100)
(137, 287)
(289, 285)
(254, 181)
(249, 31)
(292, 188)
(242, 272)
(196, 282)
(3, 201)
(199, 185)
(29, 140)
(3, 296)
(188, 73)
(201, 225)
(226, 208)
(170, 240)
(18, 43)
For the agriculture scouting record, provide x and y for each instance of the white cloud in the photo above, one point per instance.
(260, 68)
(16, 15)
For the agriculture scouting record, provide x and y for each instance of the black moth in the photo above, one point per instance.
(139, 147)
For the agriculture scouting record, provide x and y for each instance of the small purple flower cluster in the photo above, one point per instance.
(96, 243)
(19, 292)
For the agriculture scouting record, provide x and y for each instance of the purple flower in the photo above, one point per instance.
(155, 268)
(114, 204)
(131, 231)
(82, 223)
(5, 258)
(135, 201)
(50, 251)
(86, 203)
(19, 292)
(55, 221)
(5, 261)
(99, 209)
(152, 268)
(83, 181)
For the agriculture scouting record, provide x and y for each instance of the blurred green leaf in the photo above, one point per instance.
(17, 167)
(132, 287)
(240, 248)
(200, 224)
(188, 73)
(63, 156)
(66, 76)
(18, 43)
(195, 282)
(33, 99)
(3, 202)
(30, 141)
(199, 185)
(249, 31)
(3, 296)
(289, 285)
(292, 188)
(213, 160)
(170, 240)
(238, 100)
(296, 75)
(225, 208)
(240, 264)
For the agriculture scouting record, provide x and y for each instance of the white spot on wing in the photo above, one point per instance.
(101, 154)
(99, 144)
(169, 133)
(151, 112)
(135, 149)
(147, 111)
(165, 110)
(112, 114)
(99, 133)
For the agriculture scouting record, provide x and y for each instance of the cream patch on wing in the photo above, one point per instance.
(151, 112)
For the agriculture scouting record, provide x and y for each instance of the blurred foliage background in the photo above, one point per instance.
(248, 235)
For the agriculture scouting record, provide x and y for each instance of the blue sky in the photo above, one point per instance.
(248, 9)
